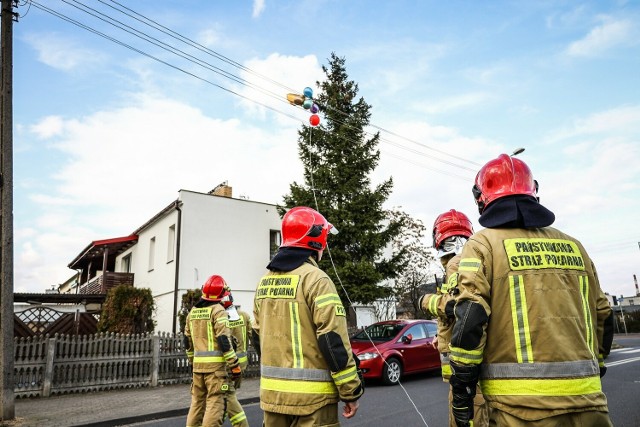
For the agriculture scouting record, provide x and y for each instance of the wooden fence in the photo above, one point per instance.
(46, 365)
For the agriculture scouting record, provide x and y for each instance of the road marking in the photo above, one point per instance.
(637, 350)
(622, 362)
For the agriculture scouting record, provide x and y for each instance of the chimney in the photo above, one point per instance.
(222, 189)
(636, 281)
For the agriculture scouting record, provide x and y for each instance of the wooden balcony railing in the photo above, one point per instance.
(102, 284)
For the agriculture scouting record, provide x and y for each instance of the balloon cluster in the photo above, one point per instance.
(306, 100)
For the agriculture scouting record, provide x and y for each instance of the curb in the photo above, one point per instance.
(155, 416)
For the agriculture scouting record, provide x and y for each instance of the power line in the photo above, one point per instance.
(152, 40)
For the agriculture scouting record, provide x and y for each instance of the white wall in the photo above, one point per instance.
(228, 237)
(218, 235)
(159, 277)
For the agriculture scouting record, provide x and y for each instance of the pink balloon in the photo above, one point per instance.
(314, 120)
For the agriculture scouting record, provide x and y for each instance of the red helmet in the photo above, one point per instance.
(213, 288)
(501, 177)
(451, 223)
(303, 227)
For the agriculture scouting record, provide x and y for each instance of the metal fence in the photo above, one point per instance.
(46, 366)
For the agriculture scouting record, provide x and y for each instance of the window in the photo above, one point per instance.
(416, 332)
(630, 302)
(152, 252)
(171, 243)
(432, 329)
(274, 242)
(125, 263)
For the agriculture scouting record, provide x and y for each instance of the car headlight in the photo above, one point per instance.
(368, 356)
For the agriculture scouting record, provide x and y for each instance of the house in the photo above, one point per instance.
(195, 236)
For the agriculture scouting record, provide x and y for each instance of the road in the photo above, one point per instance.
(421, 400)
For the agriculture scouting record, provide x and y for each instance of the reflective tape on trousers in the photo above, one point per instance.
(542, 387)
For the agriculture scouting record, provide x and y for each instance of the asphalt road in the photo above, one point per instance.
(422, 400)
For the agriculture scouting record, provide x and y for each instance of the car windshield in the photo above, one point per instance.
(379, 332)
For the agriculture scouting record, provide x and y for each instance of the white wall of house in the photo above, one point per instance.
(228, 237)
(218, 235)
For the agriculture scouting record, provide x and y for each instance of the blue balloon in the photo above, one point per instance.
(308, 92)
(307, 104)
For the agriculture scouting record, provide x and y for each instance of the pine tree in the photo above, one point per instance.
(338, 156)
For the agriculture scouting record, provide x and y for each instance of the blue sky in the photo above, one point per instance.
(106, 133)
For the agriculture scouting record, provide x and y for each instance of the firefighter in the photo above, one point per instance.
(239, 325)
(210, 352)
(532, 324)
(300, 328)
(450, 232)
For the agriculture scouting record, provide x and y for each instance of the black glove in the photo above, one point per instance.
(448, 309)
(463, 388)
(237, 382)
(603, 370)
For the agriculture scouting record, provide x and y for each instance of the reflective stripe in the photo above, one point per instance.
(293, 386)
(472, 357)
(237, 418)
(446, 370)
(295, 374)
(469, 264)
(433, 304)
(296, 336)
(520, 319)
(326, 299)
(544, 387)
(451, 283)
(578, 368)
(211, 359)
(230, 355)
(584, 293)
(208, 353)
(345, 376)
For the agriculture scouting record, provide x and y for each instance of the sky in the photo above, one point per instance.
(119, 105)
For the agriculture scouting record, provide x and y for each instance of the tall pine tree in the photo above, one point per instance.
(338, 156)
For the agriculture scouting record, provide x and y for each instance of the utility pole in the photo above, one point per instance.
(7, 395)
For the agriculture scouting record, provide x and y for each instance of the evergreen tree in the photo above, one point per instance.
(338, 156)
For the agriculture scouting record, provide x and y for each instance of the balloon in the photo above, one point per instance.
(307, 104)
(308, 92)
(314, 108)
(314, 120)
(295, 99)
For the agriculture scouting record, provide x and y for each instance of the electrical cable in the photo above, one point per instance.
(204, 64)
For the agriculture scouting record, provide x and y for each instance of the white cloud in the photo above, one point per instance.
(63, 53)
(124, 165)
(601, 38)
(292, 73)
(258, 8)
(48, 127)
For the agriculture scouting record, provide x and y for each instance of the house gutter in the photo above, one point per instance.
(177, 275)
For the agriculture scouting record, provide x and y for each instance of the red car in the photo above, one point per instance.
(388, 350)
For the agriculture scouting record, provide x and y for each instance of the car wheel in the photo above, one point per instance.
(392, 371)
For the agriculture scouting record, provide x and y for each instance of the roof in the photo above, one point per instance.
(95, 250)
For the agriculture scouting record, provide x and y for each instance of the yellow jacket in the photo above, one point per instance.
(302, 327)
(205, 328)
(540, 349)
(436, 304)
(240, 330)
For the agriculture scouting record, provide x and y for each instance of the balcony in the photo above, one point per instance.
(101, 284)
